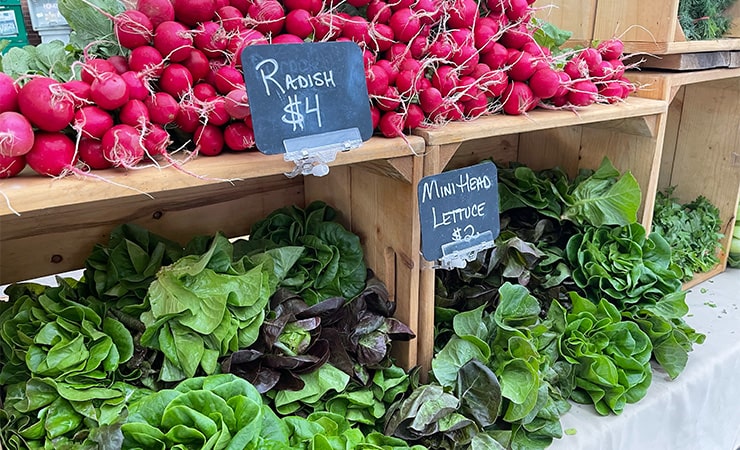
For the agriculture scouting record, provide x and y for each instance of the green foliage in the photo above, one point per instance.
(704, 19)
(692, 230)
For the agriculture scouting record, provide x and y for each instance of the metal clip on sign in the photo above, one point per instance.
(457, 254)
(311, 154)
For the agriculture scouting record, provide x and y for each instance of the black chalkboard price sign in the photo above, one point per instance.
(459, 213)
(306, 96)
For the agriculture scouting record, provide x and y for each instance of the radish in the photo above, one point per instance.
(377, 80)
(445, 78)
(93, 68)
(517, 10)
(11, 166)
(188, 118)
(16, 134)
(417, 47)
(173, 40)
(156, 140)
(193, 12)
(109, 91)
(391, 124)
(430, 100)
(298, 22)
(228, 78)
(518, 98)
(462, 13)
(390, 100)
(120, 63)
(92, 121)
(163, 108)
(582, 93)
(216, 113)
(197, 64)
(326, 26)
(414, 116)
(210, 38)
(378, 11)
(612, 91)
(134, 113)
(231, 19)
(157, 11)
(267, 16)
(516, 37)
(611, 48)
(123, 147)
(209, 140)
(46, 104)
(146, 59)
(484, 36)
(79, 92)
(312, 6)
(237, 104)
(238, 136)
(496, 57)
(137, 89)
(52, 154)
(356, 29)
(477, 106)
(405, 24)
(133, 29)
(544, 83)
(374, 116)
(204, 91)
(287, 38)
(390, 69)
(522, 65)
(8, 93)
(465, 57)
(91, 153)
(176, 80)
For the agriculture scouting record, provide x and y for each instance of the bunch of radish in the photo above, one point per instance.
(179, 78)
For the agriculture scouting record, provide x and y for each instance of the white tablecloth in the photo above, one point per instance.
(700, 410)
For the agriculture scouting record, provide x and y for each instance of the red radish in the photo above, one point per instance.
(137, 89)
(8, 93)
(91, 153)
(109, 91)
(391, 124)
(430, 11)
(517, 10)
(238, 136)
(146, 59)
(390, 69)
(495, 82)
(467, 89)
(406, 82)
(431, 100)
(79, 92)
(446, 79)
(611, 48)
(544, 83)
(156, 140)
(414, 116)
(442, 47)
(465, 57)
(564, 85)
(576, 68)
(268, 16)
(176, 80)
(377, 80)
(312, 6)
(496, 57)
(592, 57)
(612, 91)
(417, 47)
(400, 4)
(227, 79)
(287, 38)
(93, 68)
(523, 65)
(617, 69)
(210, 38)
(193, 12)
(197, 64)
(326, 26)
(374, 116)
(463, 14)
(52, 154)
(237, 104)
(582, 93)
(11, 166)
(484, 36)
(378, 11)
(16, 134)
(518, 98)
(230, 18)
(133, 29)
(157, 11)
(477, 106)
(123, 146)
(163, 108)
(405, 24)
(298, 22)
(173, 40)
(241, 5)
(188, 118)
(209, 140)
(356, 29)
(119, 62)
(496, 7)
(516, 37)
(134, 113)
(204, 91)
(216, 111)
(92, 121)
(46, 104)
(390, 100)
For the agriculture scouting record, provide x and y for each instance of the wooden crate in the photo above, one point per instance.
(653, 27)
(560, 14)
(701, 153)
(373, 188)
(630, 134)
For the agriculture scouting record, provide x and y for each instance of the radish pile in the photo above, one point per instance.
(179, 77)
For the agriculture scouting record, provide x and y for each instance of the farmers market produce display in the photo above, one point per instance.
(137, 86)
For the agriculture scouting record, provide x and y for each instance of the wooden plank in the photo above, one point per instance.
(674, 47)
(31, 192)
(500, 149)
(687, 61)
(499, 125)
(670, 140)
(547, 149)
(560, 14)
(639, 21)
(663, 85)
(54, 240)
(734, 12)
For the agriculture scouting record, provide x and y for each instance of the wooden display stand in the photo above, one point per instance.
(629, 134)
(372, 187)
(701, 153)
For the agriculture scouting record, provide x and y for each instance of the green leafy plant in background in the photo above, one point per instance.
(691, 229)
(332, 264)
(704, 19)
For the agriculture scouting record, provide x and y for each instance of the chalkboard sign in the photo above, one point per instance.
(306, 94)
(458, 210)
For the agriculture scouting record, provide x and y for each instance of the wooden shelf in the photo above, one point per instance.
(663, 85)
(672, 48)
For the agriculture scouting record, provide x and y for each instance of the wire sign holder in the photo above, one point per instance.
(459, 214)
(308, 101)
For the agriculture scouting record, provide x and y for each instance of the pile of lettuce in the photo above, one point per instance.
(573, 303)
(219, 338)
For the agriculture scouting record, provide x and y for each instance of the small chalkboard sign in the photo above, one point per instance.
(307, 96)
(459, 213)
